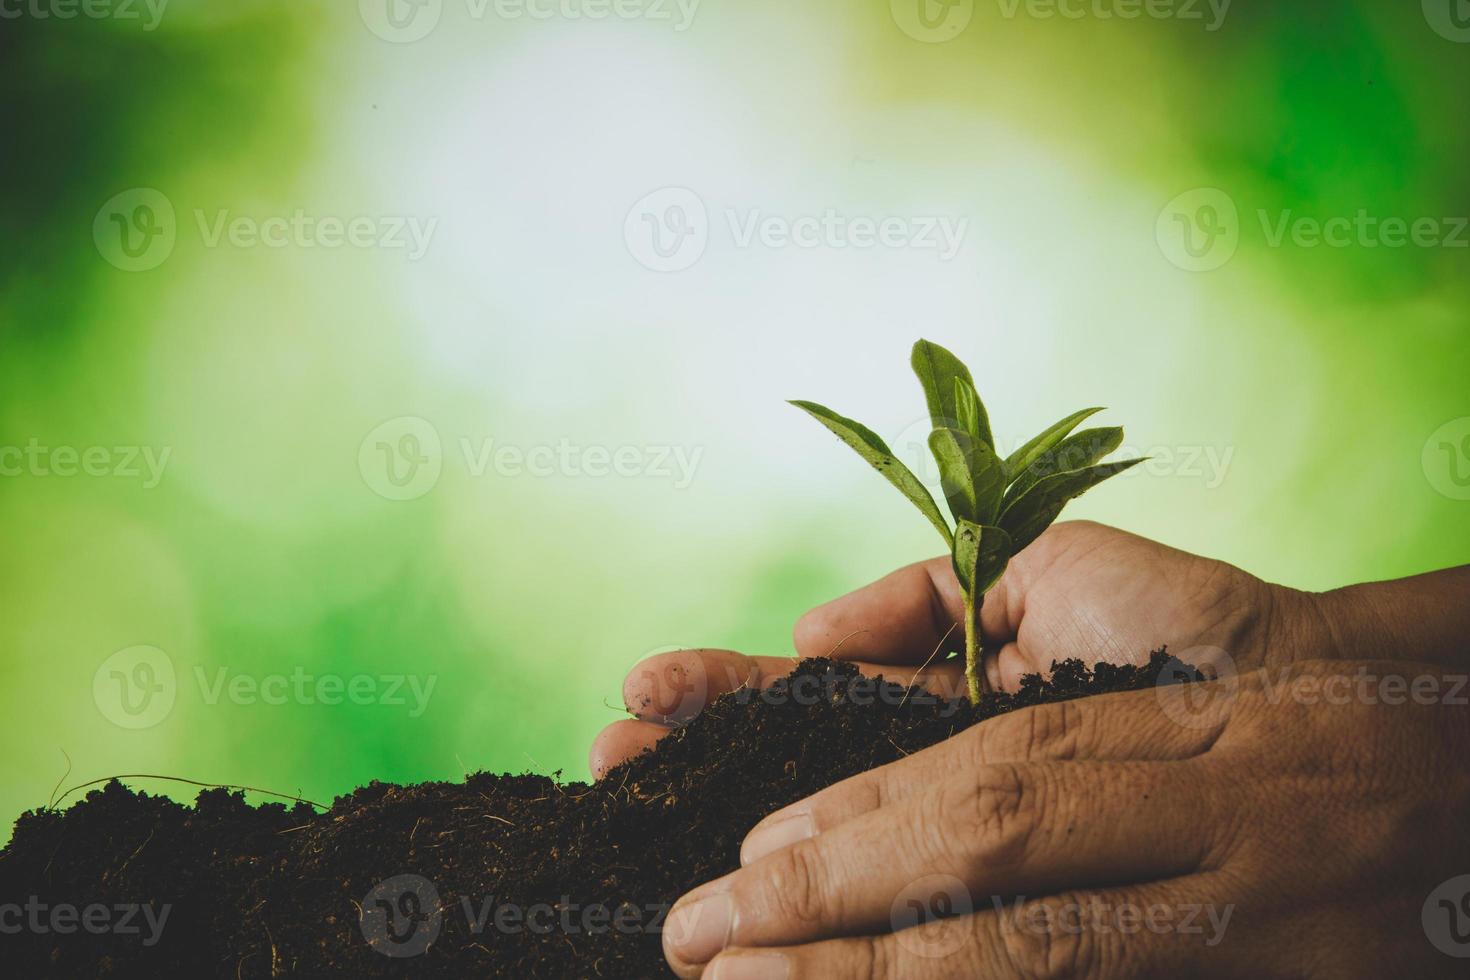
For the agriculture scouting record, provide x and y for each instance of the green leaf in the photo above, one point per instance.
(970, 412)
(938, 370)
(872, 448)
(1027, 516)
(970, 474)
(1072, 453)
(1026, 455)
(981, 553)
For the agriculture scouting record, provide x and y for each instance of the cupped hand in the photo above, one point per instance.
(1080, 590)
(1300, 821)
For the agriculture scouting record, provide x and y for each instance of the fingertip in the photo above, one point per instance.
(808, 636)
(1010, 667)
(668, 688)
(621, 741)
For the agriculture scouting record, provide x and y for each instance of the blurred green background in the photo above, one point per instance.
(253, 429)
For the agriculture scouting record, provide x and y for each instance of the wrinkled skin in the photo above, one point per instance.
(1298, 817)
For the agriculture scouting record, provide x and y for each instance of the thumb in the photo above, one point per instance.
(902, 618)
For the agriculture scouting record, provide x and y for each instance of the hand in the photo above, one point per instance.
(1080, 590)
(1291, 822)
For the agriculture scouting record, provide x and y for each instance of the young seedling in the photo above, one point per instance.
(999, 505)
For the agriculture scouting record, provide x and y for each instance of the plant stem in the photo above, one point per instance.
(974, 675)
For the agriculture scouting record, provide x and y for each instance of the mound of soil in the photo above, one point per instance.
(498, 876)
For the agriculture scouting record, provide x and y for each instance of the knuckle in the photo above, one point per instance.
(1048, 731)
(1053, 731)
(995, 814)
(796, 884)
(1045, 947)
(873, 957)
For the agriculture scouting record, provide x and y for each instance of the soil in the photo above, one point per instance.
(498, 876)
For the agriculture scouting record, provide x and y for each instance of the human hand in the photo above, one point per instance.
(1081, 589)
(1289, 822)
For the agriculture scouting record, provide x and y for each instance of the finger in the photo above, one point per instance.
(621, 741)
(899, 619)
(904, 617)
(1001, 830)
(1139, 726)
(671, 688)
(1165, 929)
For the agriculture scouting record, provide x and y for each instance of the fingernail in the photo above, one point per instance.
(695, 933)
(771, 837)
(751, 966)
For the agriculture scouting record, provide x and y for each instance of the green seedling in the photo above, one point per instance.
(999, 505)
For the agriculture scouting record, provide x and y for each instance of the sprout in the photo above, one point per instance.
(999, 505)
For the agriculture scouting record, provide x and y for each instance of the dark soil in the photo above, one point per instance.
(498, 876)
